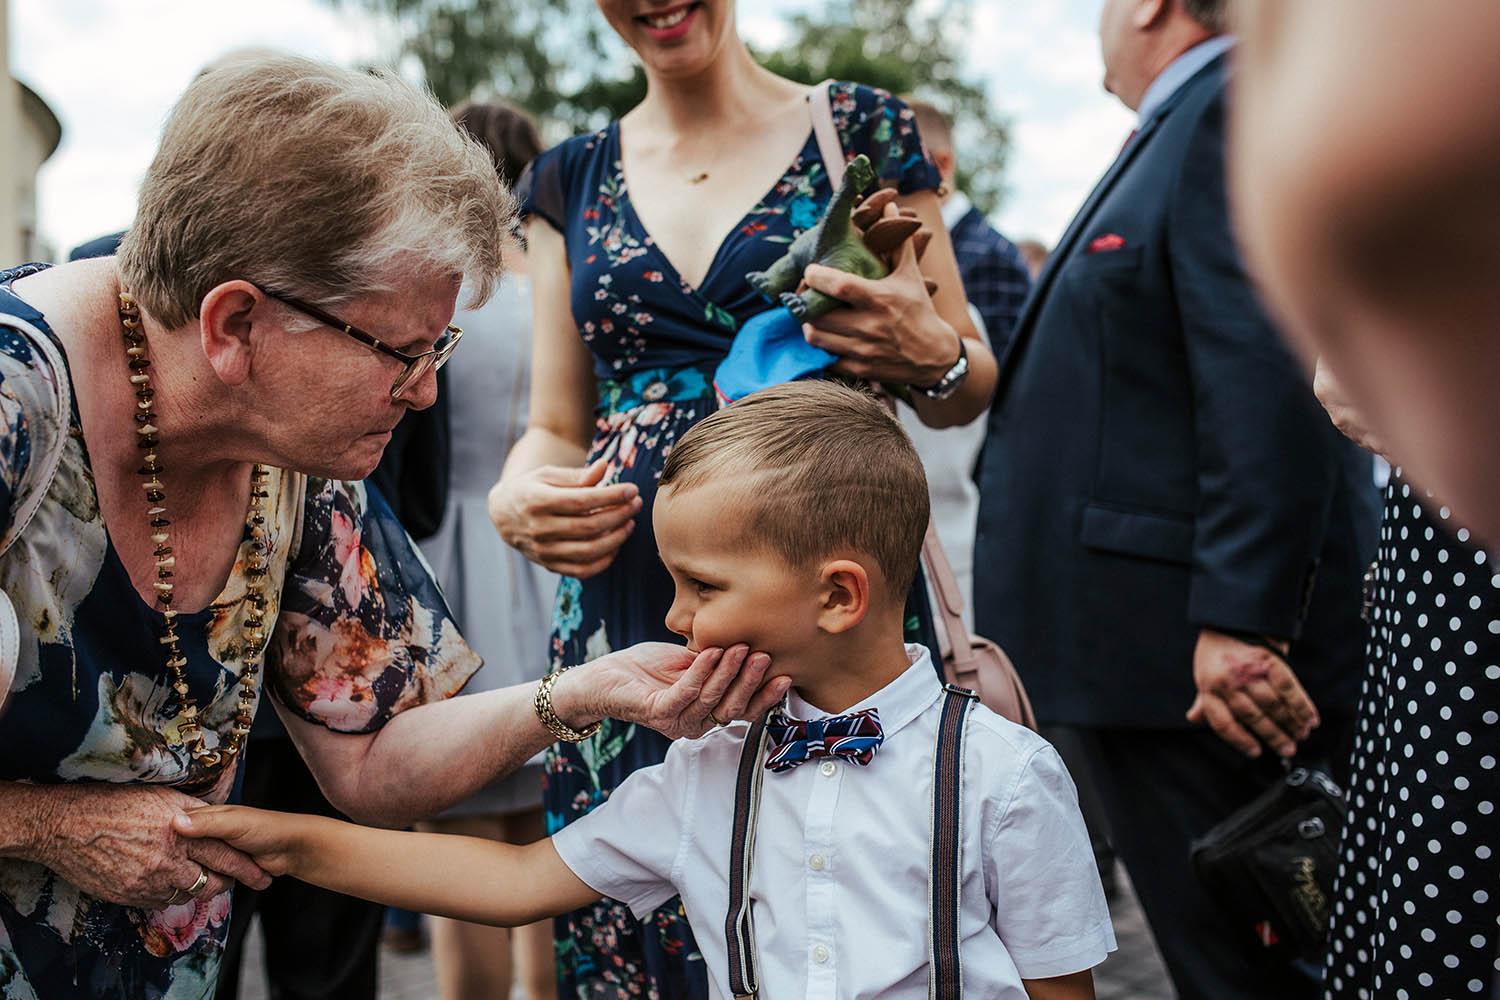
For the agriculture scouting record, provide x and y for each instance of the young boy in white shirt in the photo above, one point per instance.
(791, 521)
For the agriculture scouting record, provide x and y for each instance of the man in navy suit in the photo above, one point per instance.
(1172, 532)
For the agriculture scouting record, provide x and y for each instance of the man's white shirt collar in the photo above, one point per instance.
(1180, 71)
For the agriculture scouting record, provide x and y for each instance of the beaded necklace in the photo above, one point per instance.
(184, 729)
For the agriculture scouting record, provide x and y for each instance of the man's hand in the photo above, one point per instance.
(116, 842)
(1249, 695)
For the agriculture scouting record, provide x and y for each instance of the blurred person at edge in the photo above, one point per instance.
(1423, 782)
(1171, 531)
(1336, 163)
(204, 533)
(500, 599)
(639, 237)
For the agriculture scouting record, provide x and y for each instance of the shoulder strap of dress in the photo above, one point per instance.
(829, 147)
(43, 465)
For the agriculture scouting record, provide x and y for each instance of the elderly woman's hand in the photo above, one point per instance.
(116, 842)
(670, 688)
(890, 332)
(563, 519)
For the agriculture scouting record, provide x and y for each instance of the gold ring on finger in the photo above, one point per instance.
(717, 720)
(192, 891)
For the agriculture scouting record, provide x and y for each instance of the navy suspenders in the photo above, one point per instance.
(944, 865)
(739, 927)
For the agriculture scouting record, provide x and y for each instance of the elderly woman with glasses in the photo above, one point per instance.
(182, 431)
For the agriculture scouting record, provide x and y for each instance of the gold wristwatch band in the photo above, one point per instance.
(559, 729)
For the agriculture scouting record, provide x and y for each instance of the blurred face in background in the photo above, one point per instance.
(673, 37)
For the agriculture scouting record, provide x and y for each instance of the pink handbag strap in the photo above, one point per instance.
(950, 600)
(829, 147)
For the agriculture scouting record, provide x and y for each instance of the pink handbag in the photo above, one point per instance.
(972, 661)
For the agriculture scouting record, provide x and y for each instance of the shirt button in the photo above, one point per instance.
(820, 954)
(816, 862)
(828, 767)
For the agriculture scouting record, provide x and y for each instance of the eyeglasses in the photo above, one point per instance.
(417, 365)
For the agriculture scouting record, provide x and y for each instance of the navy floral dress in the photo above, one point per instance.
(656, 342)
(361, 633)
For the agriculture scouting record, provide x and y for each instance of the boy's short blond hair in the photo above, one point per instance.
(315, 180)
(828, 469)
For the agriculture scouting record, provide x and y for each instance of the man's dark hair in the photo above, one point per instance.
(1212, 14)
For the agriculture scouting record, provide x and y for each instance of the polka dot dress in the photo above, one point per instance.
(1418, 892)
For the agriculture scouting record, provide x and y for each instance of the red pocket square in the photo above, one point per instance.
(1109, 241)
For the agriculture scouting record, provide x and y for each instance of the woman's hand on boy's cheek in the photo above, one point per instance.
(677, 692)
(751, 693)
(265, 836)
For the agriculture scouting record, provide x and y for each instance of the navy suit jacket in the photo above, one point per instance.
(1156, 461)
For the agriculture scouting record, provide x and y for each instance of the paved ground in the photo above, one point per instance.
(1134, 972)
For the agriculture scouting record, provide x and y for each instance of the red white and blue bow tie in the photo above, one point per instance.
(854, 737)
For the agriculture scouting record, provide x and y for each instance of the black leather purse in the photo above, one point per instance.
(1272, 862)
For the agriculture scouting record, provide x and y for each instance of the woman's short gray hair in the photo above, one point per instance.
(312, 179)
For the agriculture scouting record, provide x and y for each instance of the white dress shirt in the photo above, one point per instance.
(839, 880)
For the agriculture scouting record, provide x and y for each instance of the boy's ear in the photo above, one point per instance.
(845, 595)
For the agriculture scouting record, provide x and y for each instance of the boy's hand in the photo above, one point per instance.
(268, 837)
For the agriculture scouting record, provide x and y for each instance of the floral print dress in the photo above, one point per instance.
(656, 342)
(361, 633)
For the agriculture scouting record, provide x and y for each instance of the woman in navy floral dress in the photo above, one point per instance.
(640, 238)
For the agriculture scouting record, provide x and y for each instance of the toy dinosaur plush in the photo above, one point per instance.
(837, 241)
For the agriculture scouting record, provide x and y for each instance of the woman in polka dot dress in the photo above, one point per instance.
(1418, 892)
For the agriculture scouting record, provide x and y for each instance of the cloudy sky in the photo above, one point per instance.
(110, 69)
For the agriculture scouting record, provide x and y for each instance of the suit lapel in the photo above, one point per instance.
(1059, 256)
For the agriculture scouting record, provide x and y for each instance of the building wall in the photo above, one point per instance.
(10, 114)
(39, 134)
(29, 132)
